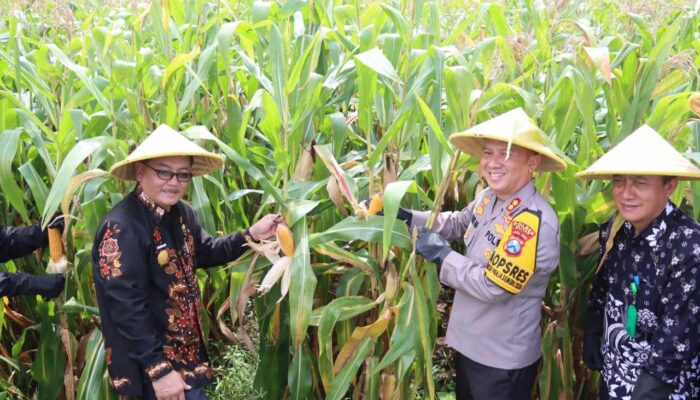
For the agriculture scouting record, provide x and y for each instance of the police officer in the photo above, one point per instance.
(645, 301)
(20, 241)
(512, 247)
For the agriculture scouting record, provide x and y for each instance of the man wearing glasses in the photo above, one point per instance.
(144, 257)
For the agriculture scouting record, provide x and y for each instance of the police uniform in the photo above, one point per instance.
(512, 247)
(488, 324)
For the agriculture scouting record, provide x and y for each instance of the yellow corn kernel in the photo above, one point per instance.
(694, 102)
(286, 239)
(376, 204)
(55, 244)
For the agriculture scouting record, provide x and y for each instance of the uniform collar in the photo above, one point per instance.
(157, 211)
(515, 202)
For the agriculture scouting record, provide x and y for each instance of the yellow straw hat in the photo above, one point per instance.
(643, 152)
(167, 142)
(513, 127)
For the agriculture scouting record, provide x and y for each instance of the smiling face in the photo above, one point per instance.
(164, 193)
(507, 176)
(641, 198)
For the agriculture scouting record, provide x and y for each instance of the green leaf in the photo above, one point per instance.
(177, 63)
(371, 230)
(377, 61)
(303, 284)
(341, 383)
(404, 337)
(339, 309)
(50, 361)
(94, 381)
(9, 142)
(201, 132)
(75, 157)
(393, 193)
(300, 374)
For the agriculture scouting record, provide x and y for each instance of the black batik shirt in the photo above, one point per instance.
(143, 265)
(666, 258)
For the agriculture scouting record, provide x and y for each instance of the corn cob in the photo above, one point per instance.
(376, 204)
(55, 244)
(694, 102)
(286, 239)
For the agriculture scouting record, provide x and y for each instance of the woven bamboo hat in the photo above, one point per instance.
(643, 152)
(513, 127)
(167, 142)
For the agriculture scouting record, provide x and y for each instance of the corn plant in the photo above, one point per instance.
(318, 105)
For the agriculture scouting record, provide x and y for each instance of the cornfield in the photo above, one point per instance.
(318, 105)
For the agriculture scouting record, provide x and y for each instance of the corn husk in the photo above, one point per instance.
(274, 274)
(390, 173)
(335, 195)
(305, 165)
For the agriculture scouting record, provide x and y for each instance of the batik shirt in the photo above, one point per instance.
(144, 261)
(665, 257)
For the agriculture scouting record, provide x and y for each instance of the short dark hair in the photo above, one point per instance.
(666, 179)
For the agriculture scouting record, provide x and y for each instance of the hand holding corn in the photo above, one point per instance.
(266, 227)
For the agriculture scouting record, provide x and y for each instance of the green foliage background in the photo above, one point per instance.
(380, 86)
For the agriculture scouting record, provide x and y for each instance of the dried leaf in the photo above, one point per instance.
(335, 195)
(587, 244)
(600, 57)
(305, 165)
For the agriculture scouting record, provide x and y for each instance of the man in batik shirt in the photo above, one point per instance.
(144, 259)
(645, 301)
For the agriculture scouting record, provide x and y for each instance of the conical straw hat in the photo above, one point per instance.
(513, 127)
(643, 152)
(167, 142)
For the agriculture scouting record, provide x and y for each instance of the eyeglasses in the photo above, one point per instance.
(166, 175)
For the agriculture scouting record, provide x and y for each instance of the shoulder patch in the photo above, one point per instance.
(512, 262)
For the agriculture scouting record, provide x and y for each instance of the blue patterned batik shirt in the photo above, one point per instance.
(665, 257)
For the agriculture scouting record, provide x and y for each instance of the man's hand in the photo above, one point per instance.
(266, 227)
(170, 387)
(57, 221)
(404, 214)
(432, 246)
